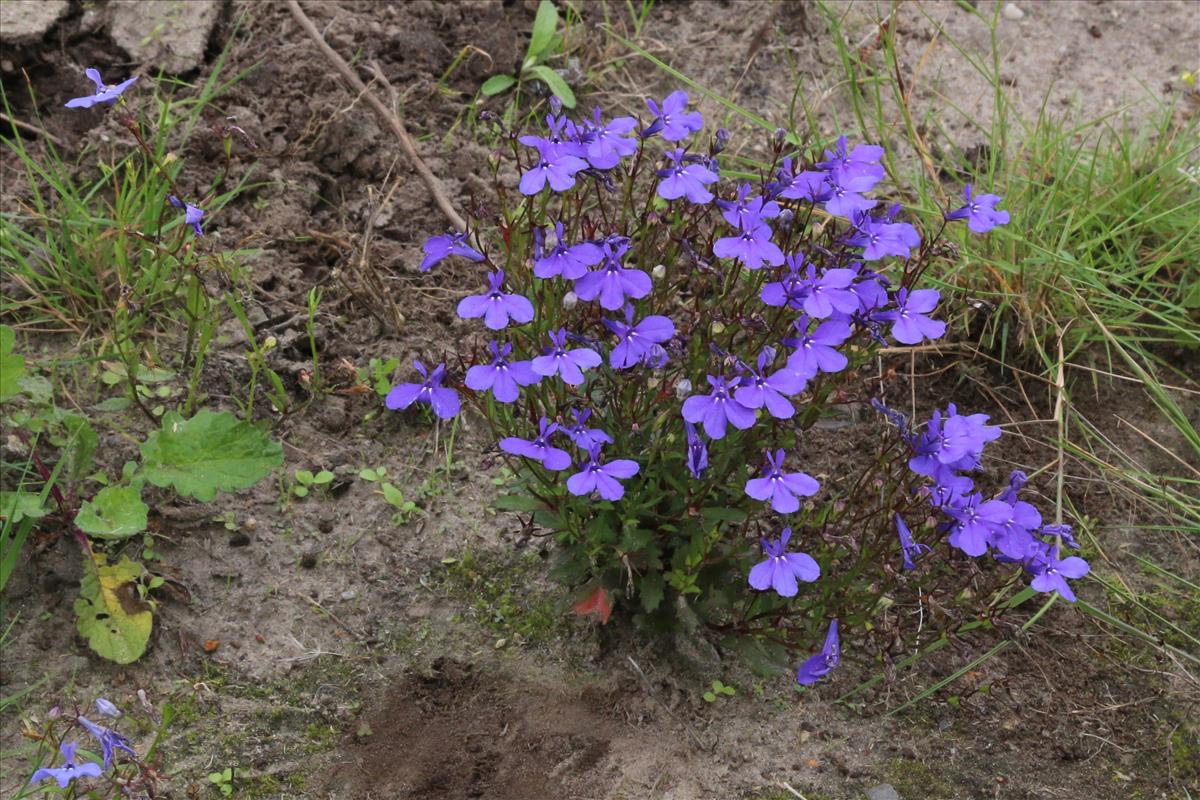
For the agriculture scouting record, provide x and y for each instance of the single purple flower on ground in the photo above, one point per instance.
(910, 325)
(496, 307)
(502, 376)
(452, 243)
(717, 408)
(567, 364)
(553, 167)
(539, 449)
(69, 771)
(608, 143)
(685, 180)
(752, 246)
(612, 283)
(781, 569)
(697, 455)
(444, 401)
(192, 215)
(585, 438)
(760, 390)
(604, 478)
(980, 212)
(570, 261)
(1052, 575)
(823, 662)
(108, 739)
(817, 351)
(637, 341)
(673, 120)
(783, 489)
(908, 548)
(104, 94)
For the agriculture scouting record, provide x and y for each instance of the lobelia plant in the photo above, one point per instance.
(661, 344)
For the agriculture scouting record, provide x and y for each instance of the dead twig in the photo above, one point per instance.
(388, 117)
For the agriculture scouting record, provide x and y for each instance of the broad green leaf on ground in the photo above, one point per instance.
(12, 366)
(208, 453)
(111, 614)
(116, 512)
(557, 85)
(544, 25)
(16, 506)
(497, 84)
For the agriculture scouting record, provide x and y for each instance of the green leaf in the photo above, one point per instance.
(12, 366)
(82, 444)
(304, 476)
(652, 591)
(556, 84)
(518, 502)
(323, 477)
(112, 617)
(113, 404)
(717, 514)
(368, 474)
(116, 512)
(393, 495)
(208, 453)
(544, 25)
(16, 506)
(495, 85)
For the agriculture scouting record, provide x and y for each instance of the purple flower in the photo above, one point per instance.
(717, 408)
(790, 290)
(191, 214)
(553, 166)
(637, 342)
(910, 325)
(502, 376)
(104, 94)
(980, 212)
(883, 237)
(685, 179)
(963, 438)
(585, 438)
(612, 283)
(539, 449)
(809, 185)
(1013, 535)
(1051, 574)
(451, 243)
(107, 709)
(760, 390)
(782, 488)
(444, 401)
(829, 292)
(781, 569)
(108, 740)
(817, 351)
(908, 548)
(603, 478)
(860, 170)
(69, 771)
(496, 307)
(608, 144)
(844, 199)
(737, 212)
(673, 120)
(752, 246)
(570, 261)
(697, 455)
(823, 662)
(567, 364)
(976, 522)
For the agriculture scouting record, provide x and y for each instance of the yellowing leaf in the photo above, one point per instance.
(111, 614)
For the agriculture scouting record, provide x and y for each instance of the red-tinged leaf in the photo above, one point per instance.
(595, 603)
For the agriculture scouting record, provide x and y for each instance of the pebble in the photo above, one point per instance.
(164, 33)
(25, 23)
(349, 594)
(1011, 11)
(884, 791)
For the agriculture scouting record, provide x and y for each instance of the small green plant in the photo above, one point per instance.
(306, 481)
(223, 781)
(395, 498)
(718, 690)
(543, 43)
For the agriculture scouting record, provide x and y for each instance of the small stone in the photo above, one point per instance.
(883, 791)
(25, 23)
(250, 524)
(169, 34)
(1010, 11)
(500, 643)
(349, 594)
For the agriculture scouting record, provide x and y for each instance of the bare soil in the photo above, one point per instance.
(361, 658)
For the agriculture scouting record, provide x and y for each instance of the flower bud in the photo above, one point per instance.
(569, 301)
(785, 220)
(555, 105)
(269, 343)
(683, 388)
(720, 140)
(54, 713)
(780, 135)
(659, 272)
(106, 708)
(718, 328)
